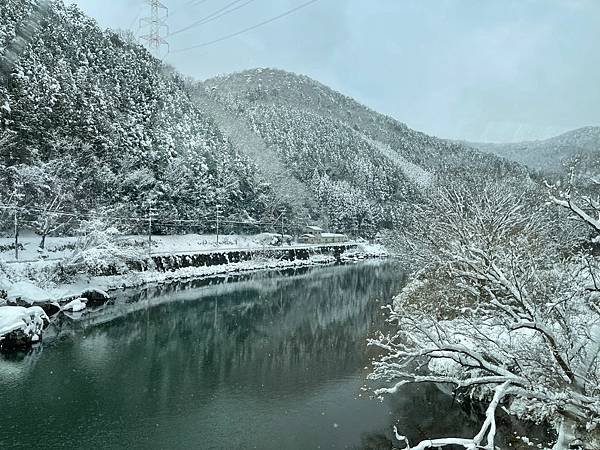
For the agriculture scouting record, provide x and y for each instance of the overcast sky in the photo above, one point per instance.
(482, 70)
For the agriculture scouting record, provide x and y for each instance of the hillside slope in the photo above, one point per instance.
(549, 154)
(364, 169)
(91, 118)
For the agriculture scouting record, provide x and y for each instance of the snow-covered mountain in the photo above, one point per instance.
(362, 167)
(89, 117)
(550, 154)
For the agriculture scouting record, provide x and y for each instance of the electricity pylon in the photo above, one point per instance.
(156, 24)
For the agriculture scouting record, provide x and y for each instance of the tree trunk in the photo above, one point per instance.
(565, 434)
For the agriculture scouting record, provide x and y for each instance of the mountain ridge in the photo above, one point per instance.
(549, 154)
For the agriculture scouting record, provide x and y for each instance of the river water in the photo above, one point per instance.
(269, 361)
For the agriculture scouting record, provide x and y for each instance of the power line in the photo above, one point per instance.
(137, 16)
(213, 16)
(190, 4)
(245, 30)
(169, 222)
(193, 3)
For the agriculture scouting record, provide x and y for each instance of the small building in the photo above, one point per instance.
(316, 235)
(314, 230)
(333, 238)
(308, 238)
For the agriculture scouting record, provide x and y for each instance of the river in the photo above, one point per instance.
(267, 361)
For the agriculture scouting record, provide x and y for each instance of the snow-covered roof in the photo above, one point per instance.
(308, 235)
(314, 228)
(332, 235)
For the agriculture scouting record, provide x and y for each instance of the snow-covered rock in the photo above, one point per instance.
(365, 250)
(21, 326)
(78, 304)
(95, 296)
(27, 292)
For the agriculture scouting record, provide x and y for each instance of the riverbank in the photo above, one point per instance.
(57, 248)
(34, 283)
(169, 366)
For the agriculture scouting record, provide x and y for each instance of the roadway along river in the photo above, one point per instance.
(271, 361)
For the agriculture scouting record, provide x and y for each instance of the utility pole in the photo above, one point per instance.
(16, 233)
(18, 196)
(282, 218)
(150, 212)
(155, 24)
(218, 211)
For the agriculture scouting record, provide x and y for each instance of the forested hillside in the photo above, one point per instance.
(555, 154)
(93, 125)
(93, 122)
(366, 170)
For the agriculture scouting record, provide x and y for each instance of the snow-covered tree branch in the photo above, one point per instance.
(497, 305)
(98, 250)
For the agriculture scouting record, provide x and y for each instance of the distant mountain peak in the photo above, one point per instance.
(548, 154)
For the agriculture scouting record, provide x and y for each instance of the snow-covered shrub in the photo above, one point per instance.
(6, 277)
(100, 250)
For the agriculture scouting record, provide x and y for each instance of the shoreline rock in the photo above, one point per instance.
(21, 327)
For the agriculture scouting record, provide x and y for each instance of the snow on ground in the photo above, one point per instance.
(56, 247)
(365, 250)
(28, 279)
(59, 247)
(70, 291)
(28, 292)
(109, 283)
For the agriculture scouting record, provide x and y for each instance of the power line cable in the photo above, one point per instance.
(193, 3)
(214, 15)
(245, 30)
(171, 222)
(190, 4)
(137, 16)
(210, 19)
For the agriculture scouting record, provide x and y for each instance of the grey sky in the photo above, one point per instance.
(483, 70)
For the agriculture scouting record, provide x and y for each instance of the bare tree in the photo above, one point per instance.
(100, 249)
(499, 316)
(45, 195)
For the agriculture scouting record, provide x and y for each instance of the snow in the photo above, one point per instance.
(29, 320)
(75, 305)
(422, 178)
(366, 250)
(27, 292)
(67, 292)
(60, 247)
(29, 280)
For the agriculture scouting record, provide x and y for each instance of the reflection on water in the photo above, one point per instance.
(269, 362)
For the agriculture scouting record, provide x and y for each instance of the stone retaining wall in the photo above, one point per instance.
(165, 263)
